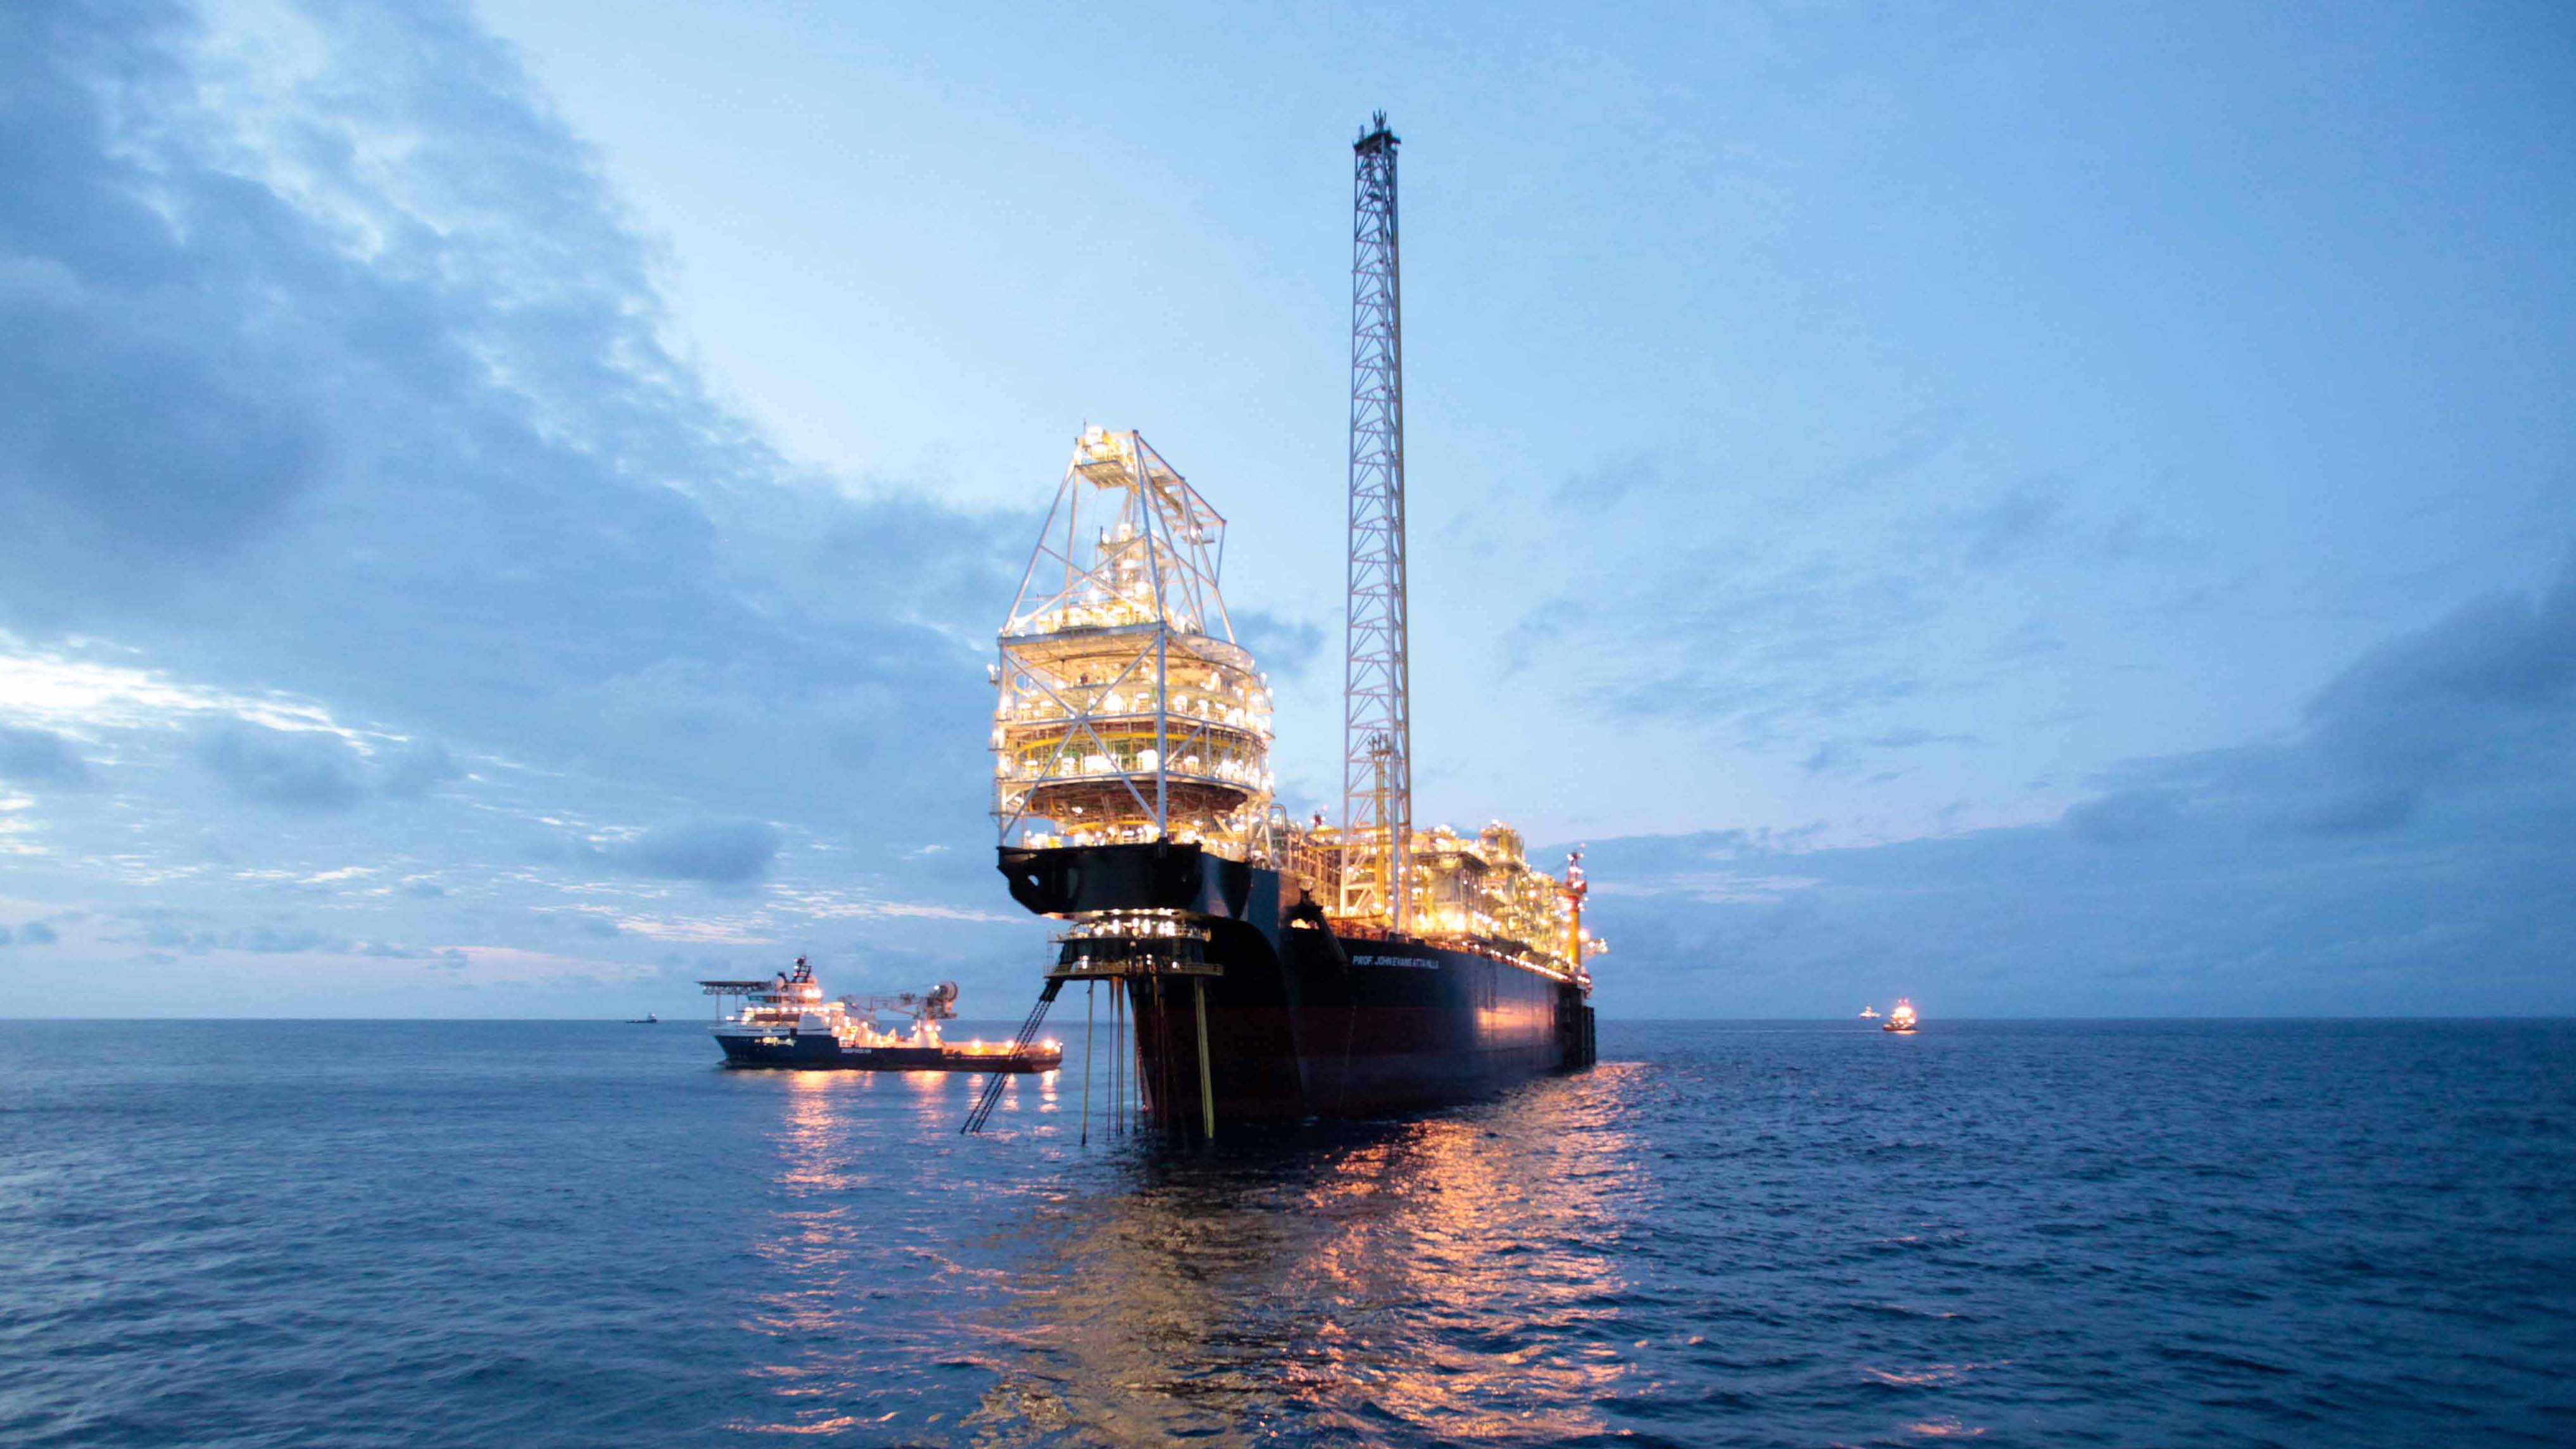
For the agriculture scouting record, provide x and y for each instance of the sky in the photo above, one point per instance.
(504, 507)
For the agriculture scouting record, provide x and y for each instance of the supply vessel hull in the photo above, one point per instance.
(813, 1051)
(1299, 1021)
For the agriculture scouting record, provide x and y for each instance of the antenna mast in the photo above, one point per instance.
(1377, 720)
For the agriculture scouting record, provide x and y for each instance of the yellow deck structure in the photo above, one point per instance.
(1476, 892)
(1126, 711)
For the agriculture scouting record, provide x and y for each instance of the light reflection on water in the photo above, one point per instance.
(811, 1251)
(1455, 1275)
(1445, 1274)
(1812, 1233)
(517, 1234)
(844, 1250)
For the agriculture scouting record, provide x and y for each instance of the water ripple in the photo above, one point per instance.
(523, 1234)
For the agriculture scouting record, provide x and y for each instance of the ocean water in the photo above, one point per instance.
(375, 1233)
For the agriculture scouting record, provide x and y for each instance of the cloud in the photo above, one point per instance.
(356, 466)
(2125, 817)
(1831, 757)
(41, 757)
(36, 933)
(2488, 693)
(1784, 614)
(2464, 916)
(1760, 642)
(589, 923)
(1844, 757)
(718, 852)
(162, 935)
(2482, 702)
(1917, 441)
(1665, 474)
(1915, 737)
(286, 941)
(299, 770)
(2018, 523)
(1742, 605)
(266, 939)
(1284, 648)
(350, 383)
(2405, 850)
(421, 766)
(2031, 639)
(126, 436)
(1613, 481)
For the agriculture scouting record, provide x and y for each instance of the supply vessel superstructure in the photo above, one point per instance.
(1264, 969)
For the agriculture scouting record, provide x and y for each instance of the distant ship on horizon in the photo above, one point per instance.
(1901, 1019)
(1869, 1013)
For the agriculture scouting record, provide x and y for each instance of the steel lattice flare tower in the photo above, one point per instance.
(1377, 720)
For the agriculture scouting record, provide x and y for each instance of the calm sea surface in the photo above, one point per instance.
(361, 1233)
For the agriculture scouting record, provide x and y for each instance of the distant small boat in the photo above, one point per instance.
(647, 1019)
(1869, 1013)
(1902, 1018)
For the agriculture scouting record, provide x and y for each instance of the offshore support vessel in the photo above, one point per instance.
(787, 1021)
(1264, 969)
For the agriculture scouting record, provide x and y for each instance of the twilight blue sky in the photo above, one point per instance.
(2052, 510)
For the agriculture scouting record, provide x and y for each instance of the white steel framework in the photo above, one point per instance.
(1125, 711)
(1377, 721)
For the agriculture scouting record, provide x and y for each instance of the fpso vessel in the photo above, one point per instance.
(1256, 968)
(1249, 1004)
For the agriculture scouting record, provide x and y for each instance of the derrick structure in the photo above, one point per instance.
(1125, 712)
(1376, 841)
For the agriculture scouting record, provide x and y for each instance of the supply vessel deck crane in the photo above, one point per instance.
(937, 1004)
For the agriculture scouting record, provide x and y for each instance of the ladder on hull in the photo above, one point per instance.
(1000, 1082)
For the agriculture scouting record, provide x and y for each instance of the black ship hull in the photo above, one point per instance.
(808, 1051)
(1300, 1022)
